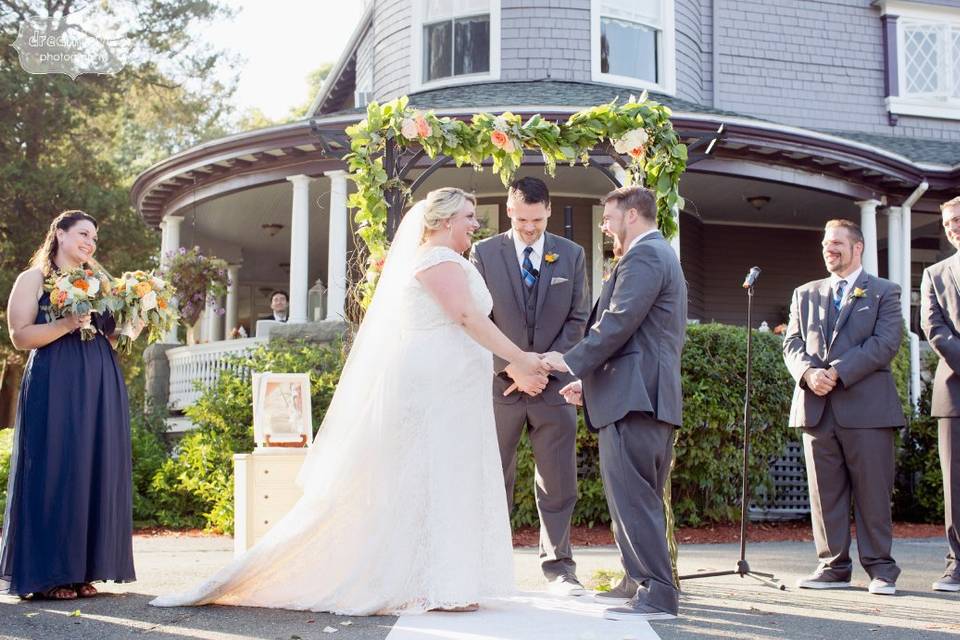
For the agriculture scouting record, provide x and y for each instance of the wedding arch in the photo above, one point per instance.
(394, 138)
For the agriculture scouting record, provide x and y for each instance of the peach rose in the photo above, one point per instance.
(423, 127)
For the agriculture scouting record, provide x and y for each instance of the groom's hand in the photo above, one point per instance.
(573, 393)
(530, 383)
(554, 360)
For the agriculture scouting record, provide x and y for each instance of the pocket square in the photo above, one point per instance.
(557, 280)
(863, 309)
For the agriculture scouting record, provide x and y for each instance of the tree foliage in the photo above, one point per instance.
(78, 144)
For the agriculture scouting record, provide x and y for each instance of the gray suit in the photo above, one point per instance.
(848, 438)
(940, 317)
(549, 317)
(629, 363)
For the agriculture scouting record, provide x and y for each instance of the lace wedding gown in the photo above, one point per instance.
(404, 508)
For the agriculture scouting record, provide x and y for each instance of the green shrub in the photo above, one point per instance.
(6, 445)
(918, 496)
(706, 480)
(196, 485)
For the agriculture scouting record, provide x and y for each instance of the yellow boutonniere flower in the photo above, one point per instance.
(551, 257)
(858, 293)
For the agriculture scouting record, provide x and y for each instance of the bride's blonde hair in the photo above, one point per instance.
(442, 204)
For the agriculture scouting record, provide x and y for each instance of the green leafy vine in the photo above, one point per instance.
(638, 130)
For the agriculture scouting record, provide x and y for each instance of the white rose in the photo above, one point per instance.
(157, 283)
(94, 286)
(149, 301)
(409, 129)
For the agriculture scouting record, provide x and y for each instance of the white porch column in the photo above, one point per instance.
(212, 330)
(893, 244)
(233, 302)
(905, 256)
(337, 246)
(868, 225)
(169, 242)
(299, 248)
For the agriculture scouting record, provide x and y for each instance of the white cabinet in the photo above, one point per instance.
(264, 490)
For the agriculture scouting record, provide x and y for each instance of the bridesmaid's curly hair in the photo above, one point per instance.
(43, 258)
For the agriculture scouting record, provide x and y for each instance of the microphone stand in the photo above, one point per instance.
(743, 567)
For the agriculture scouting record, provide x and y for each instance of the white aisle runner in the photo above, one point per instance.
(525, 616)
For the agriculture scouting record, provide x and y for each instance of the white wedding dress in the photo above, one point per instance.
(404, 508)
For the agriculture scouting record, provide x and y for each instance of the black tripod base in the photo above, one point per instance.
(742, 570)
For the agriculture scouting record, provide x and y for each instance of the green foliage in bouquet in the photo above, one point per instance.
(198, 481)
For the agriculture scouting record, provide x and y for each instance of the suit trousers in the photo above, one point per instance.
(949, 440)
(845, 464)
(635, 457)
(553, 436)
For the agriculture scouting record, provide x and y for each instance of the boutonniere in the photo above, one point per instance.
(551, 257)
(858, 293)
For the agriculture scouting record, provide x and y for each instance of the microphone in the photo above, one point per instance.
(751, 277)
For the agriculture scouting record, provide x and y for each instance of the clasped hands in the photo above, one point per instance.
(821, 381)
(529, 375)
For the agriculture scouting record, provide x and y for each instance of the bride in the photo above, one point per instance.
(403, 508)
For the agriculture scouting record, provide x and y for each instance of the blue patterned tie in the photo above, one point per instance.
(529, 274)
(838, 298)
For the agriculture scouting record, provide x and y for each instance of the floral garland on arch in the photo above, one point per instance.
(639, 129)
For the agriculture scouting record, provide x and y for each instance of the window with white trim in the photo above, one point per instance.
(633, 43)
(931, 60)
(456, 39)
(922, 58)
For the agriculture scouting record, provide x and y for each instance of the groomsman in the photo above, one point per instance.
(843, 333)
(540, 301)
(628, 367)
(940, 317)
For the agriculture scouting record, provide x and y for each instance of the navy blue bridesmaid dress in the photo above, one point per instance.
(69, 514)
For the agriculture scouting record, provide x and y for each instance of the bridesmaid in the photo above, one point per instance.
(69, 513)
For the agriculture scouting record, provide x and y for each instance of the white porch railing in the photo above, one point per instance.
(201, 363)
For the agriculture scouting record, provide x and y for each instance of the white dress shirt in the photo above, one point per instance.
(851, 280)
(535, 256)
(639, 238)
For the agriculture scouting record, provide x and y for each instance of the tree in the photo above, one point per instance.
(78, 144)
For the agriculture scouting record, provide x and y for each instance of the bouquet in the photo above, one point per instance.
(78, 292)
(140, 301)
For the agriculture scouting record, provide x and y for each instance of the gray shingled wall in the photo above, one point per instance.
(391, 33)
(811, 64)
(545, 38)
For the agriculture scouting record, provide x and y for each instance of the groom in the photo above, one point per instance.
(540, 302)
(628, 367)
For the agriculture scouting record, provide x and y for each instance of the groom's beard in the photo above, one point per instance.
(617, 247)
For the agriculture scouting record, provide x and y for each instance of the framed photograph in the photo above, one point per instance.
(282, 415)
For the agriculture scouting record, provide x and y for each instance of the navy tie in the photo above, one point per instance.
(838, 297)
(529, 274)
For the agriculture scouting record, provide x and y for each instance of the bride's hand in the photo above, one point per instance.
(528, 374)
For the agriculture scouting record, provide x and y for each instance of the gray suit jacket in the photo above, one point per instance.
(940, 318)
(562, 302)
(865, 339)
(630, 358)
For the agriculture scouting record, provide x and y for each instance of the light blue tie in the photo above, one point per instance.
(529, 274)
(838, 297)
